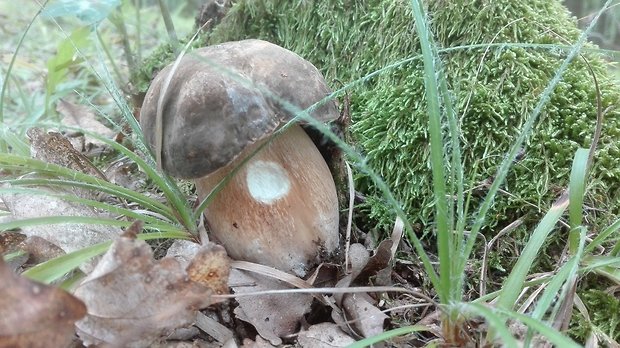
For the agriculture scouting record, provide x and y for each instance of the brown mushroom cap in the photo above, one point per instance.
(217, 103)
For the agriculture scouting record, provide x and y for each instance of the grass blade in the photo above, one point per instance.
(602, 236)
(53, 269)
(514, 283)
(554, 336)
(443, 232)
(565, 277)
(49, 220)
(164, 182)
(26, 164)
(382, 337)
(577, 188)
(150, 222)
(18, 146)
(495, 322)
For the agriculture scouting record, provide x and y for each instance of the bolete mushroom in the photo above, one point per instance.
(223, 102)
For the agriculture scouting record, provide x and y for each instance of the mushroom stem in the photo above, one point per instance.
(280, 209)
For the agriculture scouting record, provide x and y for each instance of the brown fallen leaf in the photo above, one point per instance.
(214, 328)
(358, 257)
(324, 335)
(11, 251)
(10, 245)
(359, 315)
(273, 316)
(259, 342)
(9, 241)
(34, 314)
(134, 300)
(54, 148)
(68, 236)
(363, 315)
(211, 269)
(84, 117)
(378, 263)
(40, 250)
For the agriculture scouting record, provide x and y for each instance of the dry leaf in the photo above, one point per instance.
(358, 257)
(273, 316)
(183, 250)
(68, 236)
(363, 315)
(324, 335)
(258, 343)
(359, 315)
(125, 173)
(184, 334)
(54, 148)
(34, 314)
(213, 328)
(40, 250)
(377, 264)
(134, 300)
(210, 268)
(83, 117)
(9, 241)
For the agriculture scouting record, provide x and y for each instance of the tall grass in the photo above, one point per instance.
(451, 285)
(173, 219)
(455, 238)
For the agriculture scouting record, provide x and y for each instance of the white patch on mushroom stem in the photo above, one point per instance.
(267, 181)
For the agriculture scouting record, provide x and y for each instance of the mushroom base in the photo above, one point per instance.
(280, 209)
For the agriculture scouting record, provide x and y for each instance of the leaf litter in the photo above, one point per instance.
(83, 117)
(34, 314)
(53, 147)
(46, 201)
(135, 300)
(67, 236)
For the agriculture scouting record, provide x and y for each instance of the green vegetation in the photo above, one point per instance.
(465, 118)
(497, 61)
(604, 314)
(78, 55)
(495, 89)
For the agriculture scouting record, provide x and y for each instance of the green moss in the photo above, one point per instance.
(494, 90)
(604, 312)
(149, 67)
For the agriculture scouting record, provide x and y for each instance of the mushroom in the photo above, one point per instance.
(223, 102)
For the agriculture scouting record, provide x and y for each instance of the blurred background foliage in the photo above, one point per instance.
(47, 67)
(606, 33)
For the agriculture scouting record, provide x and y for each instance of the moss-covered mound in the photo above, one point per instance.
(495, 90)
